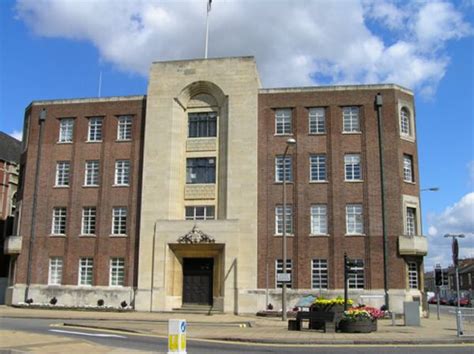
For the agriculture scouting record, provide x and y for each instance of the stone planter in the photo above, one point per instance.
(338, 313)
(358, 326)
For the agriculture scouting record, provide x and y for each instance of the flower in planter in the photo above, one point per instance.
(331, 302)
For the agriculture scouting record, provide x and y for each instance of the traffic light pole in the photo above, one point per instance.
(437, 302)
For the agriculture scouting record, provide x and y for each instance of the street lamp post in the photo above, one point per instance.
(289, 142)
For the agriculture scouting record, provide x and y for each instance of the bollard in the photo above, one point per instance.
(393, 319)
(176, 336)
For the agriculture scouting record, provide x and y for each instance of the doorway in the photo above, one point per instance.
(197, 280)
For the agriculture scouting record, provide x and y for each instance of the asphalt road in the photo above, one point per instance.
(153, 344)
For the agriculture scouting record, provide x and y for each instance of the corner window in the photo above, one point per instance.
(95, 129)
(410, 228)
(351, 120)
(283, 167)
(408, 168)
(200, 213)
(66, 127)
(317, 121)
(201, 170)
(283, 122)
(352, 168)
(279, 220)
(202, 125)
(279, 270)
(405, 124)
(354, 219)
(124, 128)
(413, 275)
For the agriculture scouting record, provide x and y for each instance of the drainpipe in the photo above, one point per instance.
(42, 118)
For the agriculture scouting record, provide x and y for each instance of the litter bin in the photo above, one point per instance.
(411, 313)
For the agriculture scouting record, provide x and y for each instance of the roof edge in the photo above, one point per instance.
(87, 100)
(336, 88)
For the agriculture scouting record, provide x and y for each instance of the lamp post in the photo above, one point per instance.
(455, 248)
(289, 142)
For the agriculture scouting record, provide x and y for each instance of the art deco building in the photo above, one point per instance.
(175, 198)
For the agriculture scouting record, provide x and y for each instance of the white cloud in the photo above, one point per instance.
(455, 219)
(295, 42)
(17, 134)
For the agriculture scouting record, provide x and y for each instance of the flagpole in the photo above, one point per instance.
(207, 27)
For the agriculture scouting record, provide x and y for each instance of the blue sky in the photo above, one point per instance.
(56, 49)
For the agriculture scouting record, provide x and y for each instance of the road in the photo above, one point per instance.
(129, 341)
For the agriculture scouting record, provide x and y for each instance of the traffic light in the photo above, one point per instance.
(438, 277)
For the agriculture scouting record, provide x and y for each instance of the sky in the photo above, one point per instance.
(58, 48)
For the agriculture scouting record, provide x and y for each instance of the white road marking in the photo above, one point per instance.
(88, 334)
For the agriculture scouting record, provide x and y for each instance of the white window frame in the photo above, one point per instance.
(411, 221)
(356, 276)
(94, 132)
(319, 274)
(206, 212)
(408, 168)
(66, 130)
(63, 169)
(279, 270)
(117, 272)
(122, 173)
(283, 121)
(279, 219)
(318, 168)
(405, 122)
(124, 128)
(413, 275)
(55, 271)
(92, 173)
(352, 167)
(59, 221)
(351, 119)
(319, 219)
(287, 165)
(86, 271)
(317, 120)
(119, 221)
(354, 219)
(89, 221)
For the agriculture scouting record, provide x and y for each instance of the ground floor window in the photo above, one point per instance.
(55, 274)
(413, 275)
(319, 274)
(86, 271)
(279, 270)
(356, 274)
(117, 272)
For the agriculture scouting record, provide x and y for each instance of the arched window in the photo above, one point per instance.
(405, 128)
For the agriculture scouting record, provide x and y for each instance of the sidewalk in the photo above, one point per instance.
(251, 328)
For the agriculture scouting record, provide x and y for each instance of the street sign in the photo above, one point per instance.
(177, 336)
(284, 277)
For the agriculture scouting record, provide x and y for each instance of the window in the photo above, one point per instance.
(286, 165)
(411, 222)
(59, 221)
(351, 121)
(354, 219)
(405, 128)
(202, 125)
(200, 213)
(55, 274)
(201, 170)
(124, 128)
(119, 221)
(283, 121)
(408, 168)
(279, 270)
(95, 129)
(317, 168)
(62, 174)
(319, 219)
(319, 273)
(279, 220)
(413, 275)
(91, 177)
(86, 271)
(317, 121)
(117, 272)
(122, 171)
(356, 274)
(88, 220)
(66, 127)
(352, 168)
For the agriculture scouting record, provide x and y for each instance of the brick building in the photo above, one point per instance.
(174, 198)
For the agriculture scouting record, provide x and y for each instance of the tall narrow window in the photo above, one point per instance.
(91, 177)
(319, 219)
(95, 129)
(117, 272)
(122, 172)
(58, 226)
(356, 274)
(351, 120)
(124, 128)
(408, 168)
(62, 173)
(119, 221)
(200, 213)
(202, 125)
(283, 122)
(413, 275)
(317, 168)
(411, 221)
(201, 170)
(352, 168)
(280, 165)
(86, 271)
(279, 220)
(55, 274)
(354, 219)
(319, 273)
(317, 121)
(279, 270)
(405, 128)
(88, 220)
(66, 127)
